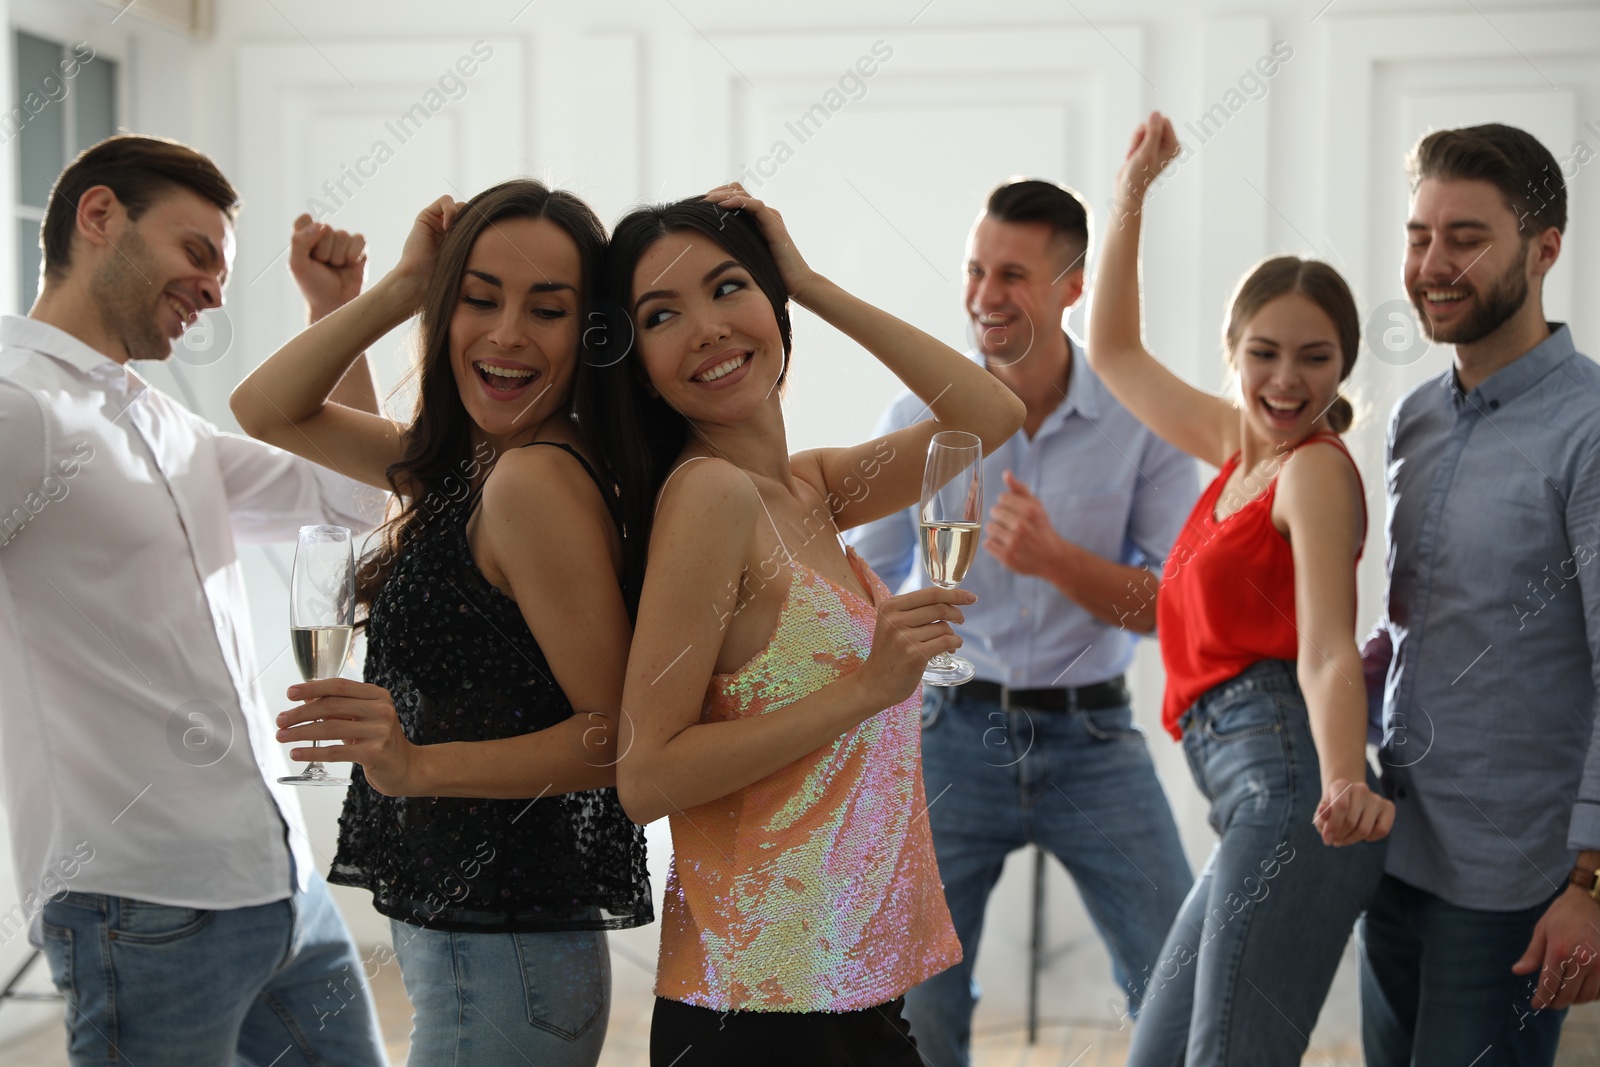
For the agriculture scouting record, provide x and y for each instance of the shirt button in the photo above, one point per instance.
(1026, 614)
(1400, 793)
(1494, 405)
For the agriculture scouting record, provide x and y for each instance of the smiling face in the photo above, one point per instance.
(158, 273)
(1016, 287)
(707, 335)
(1468, 268)
(1289, 364)
(514, 330)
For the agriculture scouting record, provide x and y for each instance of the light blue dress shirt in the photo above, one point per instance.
(1490, 748)
(1109, 485)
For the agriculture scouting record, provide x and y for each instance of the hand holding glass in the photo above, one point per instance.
(322, 607)
(951, 519)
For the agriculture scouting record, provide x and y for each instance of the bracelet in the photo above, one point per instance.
(1586, 880)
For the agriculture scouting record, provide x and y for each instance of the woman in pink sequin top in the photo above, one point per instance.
(772, 689)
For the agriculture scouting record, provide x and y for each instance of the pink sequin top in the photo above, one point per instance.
(814, 889)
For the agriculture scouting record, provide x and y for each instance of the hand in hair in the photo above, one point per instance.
(328, 265)
(422, 244)
(796, 273)
(1154, 145)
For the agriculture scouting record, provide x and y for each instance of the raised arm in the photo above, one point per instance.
(699, 549)
(290, 401)
(959, 393)
(1199, 423)
(329, 266)
(1319, 499)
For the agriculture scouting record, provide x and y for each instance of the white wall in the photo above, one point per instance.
(640, 100)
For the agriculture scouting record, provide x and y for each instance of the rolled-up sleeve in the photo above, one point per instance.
(272, 493)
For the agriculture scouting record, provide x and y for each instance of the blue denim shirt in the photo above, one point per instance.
(1109, 485)
(1493, 613)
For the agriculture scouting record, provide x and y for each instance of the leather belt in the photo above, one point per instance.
(1112, 693)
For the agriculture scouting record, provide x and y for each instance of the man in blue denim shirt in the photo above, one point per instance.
(1083, 506)
(1487, 924)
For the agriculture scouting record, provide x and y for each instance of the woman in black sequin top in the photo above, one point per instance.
(483, 816)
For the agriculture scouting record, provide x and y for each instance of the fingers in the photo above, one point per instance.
(326, 754)
(342, 708)
(347, 730)
(324, 244)
(342, 687)
(926, 615)
(1017, 485)
(1535, 952)
(932, 594)
(1589, 990)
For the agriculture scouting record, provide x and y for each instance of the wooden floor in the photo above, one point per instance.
(999, 1039)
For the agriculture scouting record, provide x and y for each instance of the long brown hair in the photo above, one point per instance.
(1323, 286)
(439, 464)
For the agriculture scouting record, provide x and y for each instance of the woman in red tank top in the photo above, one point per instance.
(1256, 617)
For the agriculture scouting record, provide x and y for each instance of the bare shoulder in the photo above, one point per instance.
(1320, 490)
(710, 484)
(542, 477)
(1316, 466)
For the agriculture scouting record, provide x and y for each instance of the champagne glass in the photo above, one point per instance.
(951, 518)
(322, 615)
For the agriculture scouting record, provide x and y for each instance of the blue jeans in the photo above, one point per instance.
(1437, 987)
(487, 1000)
(145, 984)
(1080, 785)
(1248, 963)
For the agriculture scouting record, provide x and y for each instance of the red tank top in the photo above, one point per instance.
(1227, 592)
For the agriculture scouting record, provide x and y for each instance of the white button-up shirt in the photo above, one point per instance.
(137, 751)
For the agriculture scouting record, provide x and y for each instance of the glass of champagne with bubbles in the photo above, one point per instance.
(322, 615)
(951, 517)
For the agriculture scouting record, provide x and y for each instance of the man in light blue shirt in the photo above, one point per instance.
(1487, 924)
(1082, 506)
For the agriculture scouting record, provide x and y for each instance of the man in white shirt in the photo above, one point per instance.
(162, 867)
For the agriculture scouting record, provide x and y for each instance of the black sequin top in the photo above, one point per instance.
(461, 665)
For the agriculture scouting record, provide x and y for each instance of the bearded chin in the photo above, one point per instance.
(123, 293)
(1503, 299)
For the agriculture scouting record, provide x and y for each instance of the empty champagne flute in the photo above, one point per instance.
(951, 518)
(322, 615)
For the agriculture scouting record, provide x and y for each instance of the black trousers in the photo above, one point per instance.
(682, 1035)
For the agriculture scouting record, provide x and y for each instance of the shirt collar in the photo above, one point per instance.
(1510, 381)
(59, 345)
(1085, 394)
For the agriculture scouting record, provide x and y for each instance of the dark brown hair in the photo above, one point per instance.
(438, 462)
(1510, 159)
(638, 435)
(1036, 200)
(1281, 275)
(139, 170)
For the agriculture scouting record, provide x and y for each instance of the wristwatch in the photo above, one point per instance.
(1586, 880)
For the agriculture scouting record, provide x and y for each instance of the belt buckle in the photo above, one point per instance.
(1005, 697)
